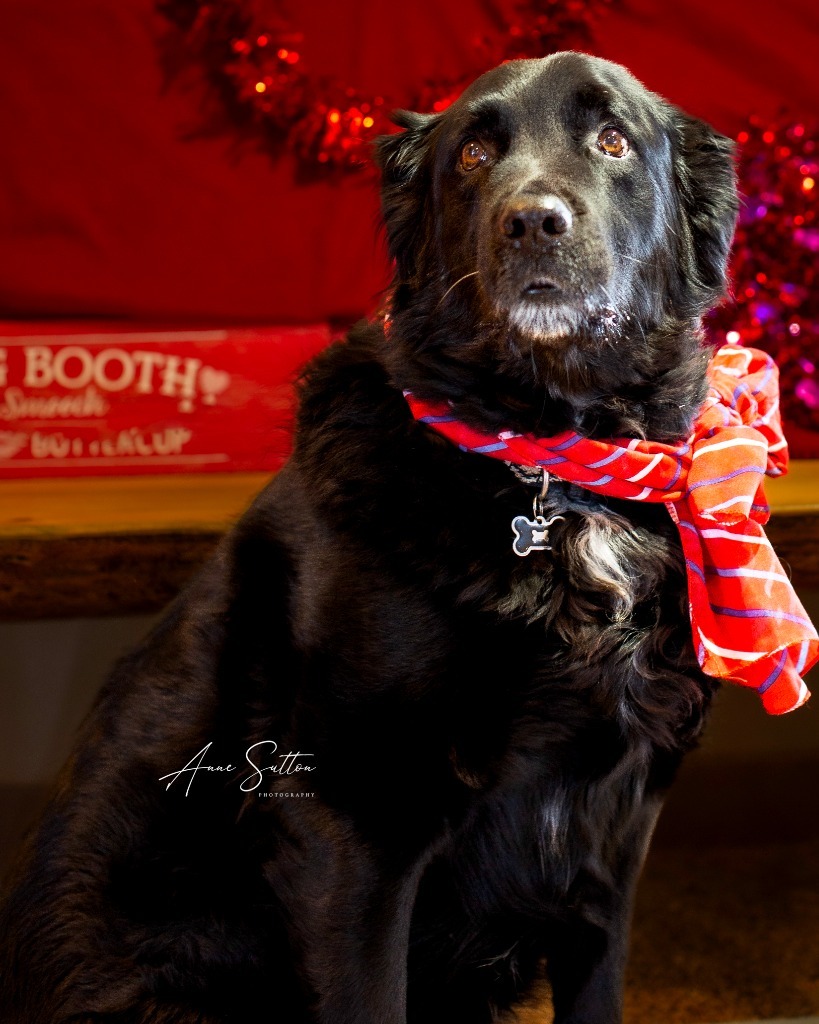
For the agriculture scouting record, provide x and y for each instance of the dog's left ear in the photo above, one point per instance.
(404, 161)
(707, 183)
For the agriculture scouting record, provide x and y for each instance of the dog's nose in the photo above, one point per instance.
(536, 218)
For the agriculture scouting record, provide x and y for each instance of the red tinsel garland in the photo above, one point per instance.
(774, 262)
(265, 90)
(260, 74)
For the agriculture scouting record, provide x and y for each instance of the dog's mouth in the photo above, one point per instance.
(541, 288)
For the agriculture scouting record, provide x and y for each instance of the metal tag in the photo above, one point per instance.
(532, 534)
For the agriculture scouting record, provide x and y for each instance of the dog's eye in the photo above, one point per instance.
(473, 154)
(612, 142)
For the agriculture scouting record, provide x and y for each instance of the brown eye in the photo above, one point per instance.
(612, 142)
(473, 155)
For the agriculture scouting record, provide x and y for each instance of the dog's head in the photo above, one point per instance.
(558, 233)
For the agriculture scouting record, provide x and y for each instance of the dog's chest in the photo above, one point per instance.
(572, 550)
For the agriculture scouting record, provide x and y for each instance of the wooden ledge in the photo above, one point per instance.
(126, 505)
(112, 545)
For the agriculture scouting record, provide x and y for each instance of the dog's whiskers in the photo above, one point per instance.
(607, 293)
(671, 230)
(633, 259)
(645, 338)
(472, 273)
(533, 360)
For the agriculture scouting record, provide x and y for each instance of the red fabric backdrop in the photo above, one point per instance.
(106, 209)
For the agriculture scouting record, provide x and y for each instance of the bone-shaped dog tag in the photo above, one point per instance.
(532, 534)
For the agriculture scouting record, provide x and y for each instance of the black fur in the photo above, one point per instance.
(492, 736)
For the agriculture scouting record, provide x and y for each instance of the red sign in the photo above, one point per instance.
(79, 400)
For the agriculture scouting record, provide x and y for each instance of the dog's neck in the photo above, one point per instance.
(495, 380)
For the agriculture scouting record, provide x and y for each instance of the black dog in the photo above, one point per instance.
(478, 743)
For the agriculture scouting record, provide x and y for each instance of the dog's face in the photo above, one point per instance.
(562, 214)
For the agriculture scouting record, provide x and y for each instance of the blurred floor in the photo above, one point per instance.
(727, 920)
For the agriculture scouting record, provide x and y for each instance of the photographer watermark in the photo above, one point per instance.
(289, 764)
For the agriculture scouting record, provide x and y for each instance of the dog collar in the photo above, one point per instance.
(747, 622)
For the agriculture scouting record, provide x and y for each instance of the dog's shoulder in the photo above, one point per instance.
(348, 385)
(358, 452)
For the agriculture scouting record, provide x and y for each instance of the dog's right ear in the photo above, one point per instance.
(404, 160)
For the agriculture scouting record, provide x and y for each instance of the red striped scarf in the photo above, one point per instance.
(748, 625)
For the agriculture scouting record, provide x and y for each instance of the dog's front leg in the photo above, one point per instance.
(587, 954)
(586, 972)
(348, 905)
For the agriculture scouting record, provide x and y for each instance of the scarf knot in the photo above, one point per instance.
(747, 622)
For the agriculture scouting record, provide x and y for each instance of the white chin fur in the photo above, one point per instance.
(544, 322)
